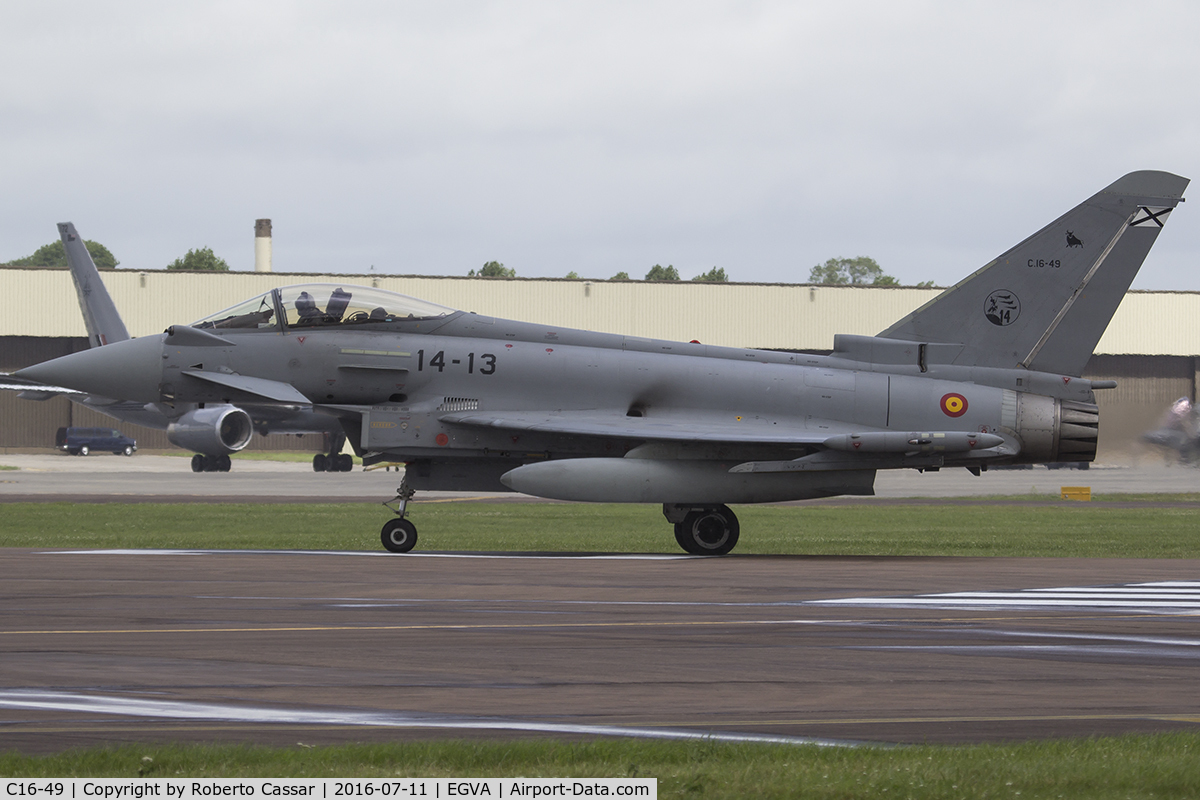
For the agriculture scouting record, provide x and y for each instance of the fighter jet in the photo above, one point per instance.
(1178, 430)
(987, 373)
(212, 431)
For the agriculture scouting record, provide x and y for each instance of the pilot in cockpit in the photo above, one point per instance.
(306, 309)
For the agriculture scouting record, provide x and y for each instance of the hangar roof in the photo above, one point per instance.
(42, 302)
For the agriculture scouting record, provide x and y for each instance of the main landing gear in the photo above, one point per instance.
(203, 463)
(399, 535)
(703, 530)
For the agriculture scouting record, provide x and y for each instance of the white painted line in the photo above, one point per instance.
(380, 554)
(989, 602)
(168, 709)
(1181, 596)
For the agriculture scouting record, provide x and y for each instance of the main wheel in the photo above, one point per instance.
(345, 462)
(708, 531)
(223, 463)
(198, 463)
(83, 451)
(320, 462)
(399, 535)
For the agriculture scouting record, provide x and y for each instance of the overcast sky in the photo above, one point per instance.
(429, 138)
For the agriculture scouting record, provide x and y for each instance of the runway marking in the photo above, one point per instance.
(1182, 597)
(170, 709)
(434, 627)
(382, 554)
(42, 700)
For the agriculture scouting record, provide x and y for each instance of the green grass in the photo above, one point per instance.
(1160, 766)
(1052, 529)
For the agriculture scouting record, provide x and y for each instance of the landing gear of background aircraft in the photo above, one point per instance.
(707, 531)
(399, 535)
(203, 463)
(333, 462)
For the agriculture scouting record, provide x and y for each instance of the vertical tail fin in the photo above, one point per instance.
(104, 324)
(1045, 303)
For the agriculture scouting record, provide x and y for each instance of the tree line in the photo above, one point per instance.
(860, 271)
(55, 255)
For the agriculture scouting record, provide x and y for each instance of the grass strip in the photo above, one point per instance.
(1137, 766)
(1066, 530)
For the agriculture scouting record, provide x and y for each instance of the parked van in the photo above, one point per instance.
(81, 441)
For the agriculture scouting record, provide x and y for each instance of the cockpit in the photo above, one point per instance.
(311, 305)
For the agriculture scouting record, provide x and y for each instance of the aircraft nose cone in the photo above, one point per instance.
(126, 370)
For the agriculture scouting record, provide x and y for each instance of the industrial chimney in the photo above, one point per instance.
(262, 245)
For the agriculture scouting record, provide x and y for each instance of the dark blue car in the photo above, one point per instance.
(81, 441)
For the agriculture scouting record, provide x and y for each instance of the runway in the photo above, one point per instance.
(99, 647)
(317, 647)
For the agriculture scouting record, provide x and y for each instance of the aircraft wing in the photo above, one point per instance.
(726, 428)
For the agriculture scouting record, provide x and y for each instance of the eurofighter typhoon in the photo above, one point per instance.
(987, 373)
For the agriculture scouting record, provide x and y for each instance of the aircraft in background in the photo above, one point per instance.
(213, 431)
(987, 373)
(1179, 430)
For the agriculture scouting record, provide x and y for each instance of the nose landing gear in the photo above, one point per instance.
(399, 535)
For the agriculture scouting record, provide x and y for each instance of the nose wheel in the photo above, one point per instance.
(399, 535)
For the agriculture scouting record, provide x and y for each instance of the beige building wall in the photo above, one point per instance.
(782, 316)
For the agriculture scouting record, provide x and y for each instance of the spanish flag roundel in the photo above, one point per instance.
(954, 404)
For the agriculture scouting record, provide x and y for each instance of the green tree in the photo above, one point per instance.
(201, 259)
(661, 273)
(714, 275)
(493, 269)
(925, 285)
(858, 271)
(55, 255)
(620, 276)
(573, 275)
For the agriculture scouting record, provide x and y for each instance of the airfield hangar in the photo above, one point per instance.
(1151, 348)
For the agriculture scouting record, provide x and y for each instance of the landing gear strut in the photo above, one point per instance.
(703, 530)
(399, 535)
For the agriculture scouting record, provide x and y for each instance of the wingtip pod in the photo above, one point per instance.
(1044, 304)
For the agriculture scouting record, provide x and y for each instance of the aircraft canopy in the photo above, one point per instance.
(309, 305)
